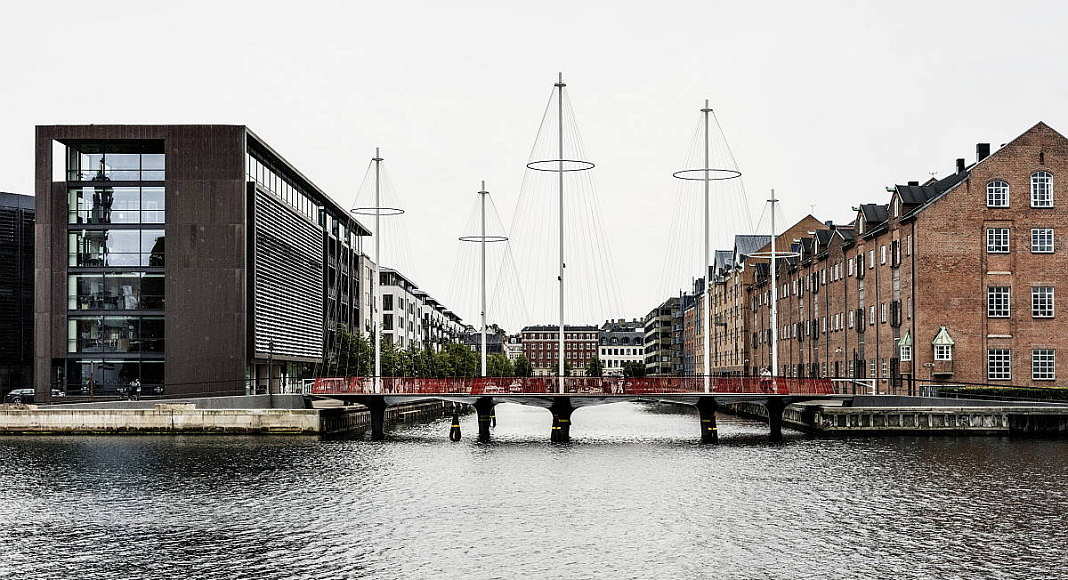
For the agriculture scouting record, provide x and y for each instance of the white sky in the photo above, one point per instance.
(827, 102)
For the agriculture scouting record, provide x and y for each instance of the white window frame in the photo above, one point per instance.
(871, 315)
(998, 364)
(905, 353)
(997, 193)
(1044, 368)
(1041, 189)
(998, 301)
(997, 240)
(851, 267)
(871, 259)
(943, 352)
(1042, 241)
(882, 312)
(882, 254)
(1043, 301)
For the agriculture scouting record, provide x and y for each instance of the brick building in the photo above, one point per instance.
(541, 348)
(952, 280)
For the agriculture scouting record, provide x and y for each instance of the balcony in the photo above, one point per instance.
(942, 368)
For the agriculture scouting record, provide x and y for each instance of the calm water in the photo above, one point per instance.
(632, 497)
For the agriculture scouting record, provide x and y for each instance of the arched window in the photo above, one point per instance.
(1041, 189)
(997, 193)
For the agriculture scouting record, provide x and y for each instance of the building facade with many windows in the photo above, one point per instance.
(622, 343)
(541, 346)
(953, 280)
(16, 291)
(185, 259)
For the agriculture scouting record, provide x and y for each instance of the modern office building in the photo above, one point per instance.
(191, 259)
(662, 353)
(16, 291)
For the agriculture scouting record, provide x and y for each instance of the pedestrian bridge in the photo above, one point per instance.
(562, 395)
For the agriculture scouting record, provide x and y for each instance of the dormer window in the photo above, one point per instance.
(943, 345)
(1041, 189)
(997, 193)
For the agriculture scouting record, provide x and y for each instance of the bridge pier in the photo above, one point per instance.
(454, 429)
(561, 410)
(775, 407)
(377, 407)
(486, 417)
(706, 407)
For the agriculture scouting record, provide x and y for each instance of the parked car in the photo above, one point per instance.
(26, 396)
(20, 396)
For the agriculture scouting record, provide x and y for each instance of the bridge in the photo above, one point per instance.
(561, 396)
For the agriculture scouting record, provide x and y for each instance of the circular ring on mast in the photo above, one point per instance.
(487, 239)
(554, 165)
(769, 255)
(379, 211)
(713, 174)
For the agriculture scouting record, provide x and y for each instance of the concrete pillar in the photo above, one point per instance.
(377, 407)
(706, 407)
(775, 406)
(454, 428)
(561, 410)
(486, 419)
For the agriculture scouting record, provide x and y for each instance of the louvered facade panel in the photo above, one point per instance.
(288, 281)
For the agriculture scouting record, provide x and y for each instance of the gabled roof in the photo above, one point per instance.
(749, 243)
(874, 213)
(905, 340)
(943, 337)
(723, 259)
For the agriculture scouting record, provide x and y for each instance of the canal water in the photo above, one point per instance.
(633, 496)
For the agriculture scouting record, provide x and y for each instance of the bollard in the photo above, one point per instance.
(454, 431)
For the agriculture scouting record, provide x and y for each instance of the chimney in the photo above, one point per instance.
(914, 183)
(982, 151)
(960, 165)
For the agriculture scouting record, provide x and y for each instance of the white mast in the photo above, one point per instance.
(706, 318)
(560, 122)
(774, 296)
(482, 194)
(376, 284)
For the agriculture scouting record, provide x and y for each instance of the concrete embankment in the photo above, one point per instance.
(915, 415)
(229, 415)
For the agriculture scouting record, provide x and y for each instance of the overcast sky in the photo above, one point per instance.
(827, 102)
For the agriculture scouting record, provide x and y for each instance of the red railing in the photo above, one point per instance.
(572, 385)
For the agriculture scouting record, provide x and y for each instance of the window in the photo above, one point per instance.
(115, 291)
(115, 205)
(882, 312)
(943, 352)
(997, 240)
(1042, 301)
(871, 259)
(998, 364)
(882, 254)
(1043, 364)
(905, 353)
(1041, 189)
(908, 245)
(115, 334)
(997, 301)
(1042, 240)
(96, 248)
(997, 194)
(871, 314)
(387, 302)
(113, 165)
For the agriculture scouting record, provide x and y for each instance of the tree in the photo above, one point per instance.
(595, 368)
(391, 358)
(567, 368)
(633, 369)
(498, 365)
(522, 367)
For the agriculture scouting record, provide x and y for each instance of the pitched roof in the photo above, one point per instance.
(749, 243)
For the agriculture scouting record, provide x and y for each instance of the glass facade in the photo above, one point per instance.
(115, 278)
(116, 205)
(271, 180)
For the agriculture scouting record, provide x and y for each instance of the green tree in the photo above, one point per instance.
(522, 367)
(567, 368)
(595, 368)
(391, 359)
(633, 369)
(498, 365)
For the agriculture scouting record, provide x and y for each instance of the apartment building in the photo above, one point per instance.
(16, 291)
(950, 280)
(541, 348)
(663, 349)
(622, 342)
(411, 318)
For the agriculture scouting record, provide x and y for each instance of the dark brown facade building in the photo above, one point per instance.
(16, 291)
(541, 346)
(186, 259)
(952, 280)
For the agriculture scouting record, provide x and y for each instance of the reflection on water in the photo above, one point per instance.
(632, 497)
